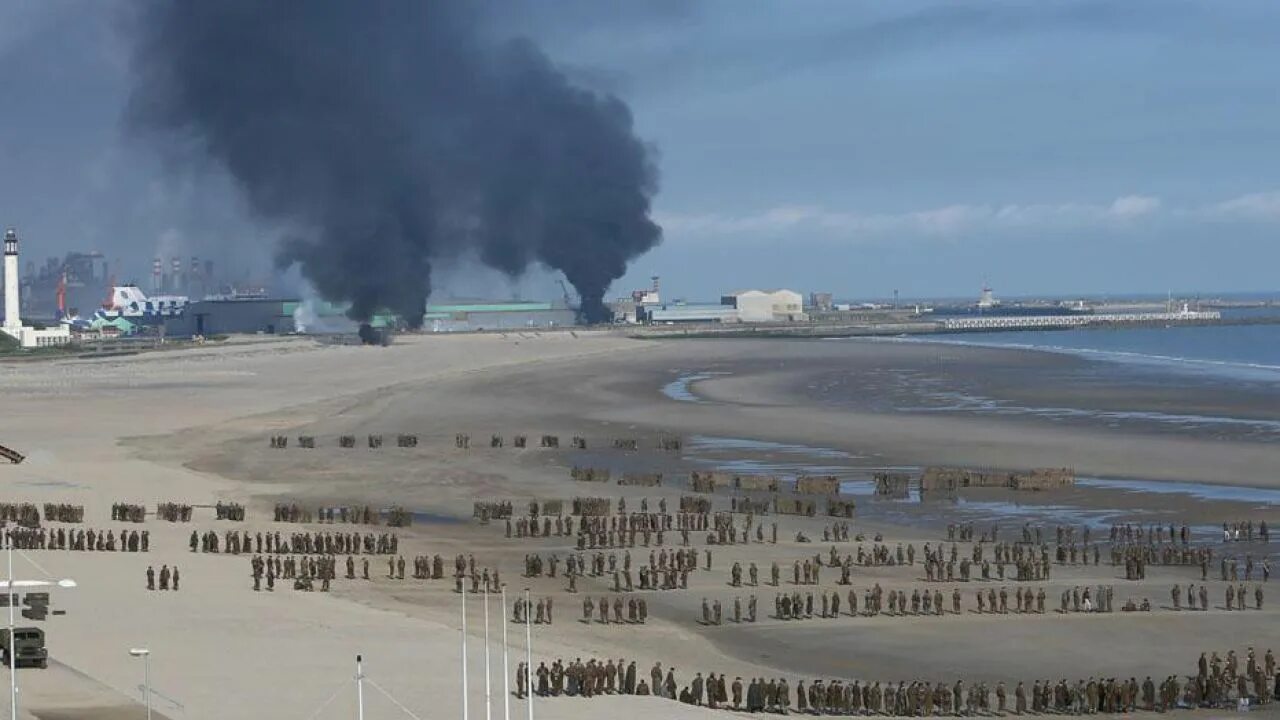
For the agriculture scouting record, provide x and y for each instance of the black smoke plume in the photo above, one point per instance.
(386, 135)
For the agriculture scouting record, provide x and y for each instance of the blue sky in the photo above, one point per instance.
(1044, 147)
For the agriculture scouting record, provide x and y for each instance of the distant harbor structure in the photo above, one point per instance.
(1034, 322)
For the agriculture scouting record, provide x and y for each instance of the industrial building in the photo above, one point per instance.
(232, 315)
(508, 315)
(28, 336)
(670, 314)
(762, 306)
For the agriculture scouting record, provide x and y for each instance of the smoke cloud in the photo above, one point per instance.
(386, 136)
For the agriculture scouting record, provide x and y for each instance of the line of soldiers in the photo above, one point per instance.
(236, 542)
(79, 540)
(168, 578)
(229, 511)
(127, 512)
(542, 611)
(637, 610)
(63, 512)
(1217, 684)
(173, 512)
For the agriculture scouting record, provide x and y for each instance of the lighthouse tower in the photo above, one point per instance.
(12, 319)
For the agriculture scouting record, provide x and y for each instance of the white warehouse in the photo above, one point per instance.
(766, 305)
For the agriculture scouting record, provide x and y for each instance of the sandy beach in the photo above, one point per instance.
(192, 426)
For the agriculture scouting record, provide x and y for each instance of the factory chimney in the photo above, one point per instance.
(12, 318)
(157, 268)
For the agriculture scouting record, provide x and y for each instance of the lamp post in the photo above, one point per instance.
(145, 654)
(12, 597)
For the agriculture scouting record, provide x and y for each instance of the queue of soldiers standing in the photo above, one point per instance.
(127, 512)
(235, 542)
(59, 512)
(79, 540)
(1216, 685)
(229, 511)
(173, 512)
(169, 579)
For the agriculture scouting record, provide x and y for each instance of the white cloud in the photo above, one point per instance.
(1262, 206)
(944, 222)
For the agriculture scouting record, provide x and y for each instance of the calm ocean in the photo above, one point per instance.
(1248, 352)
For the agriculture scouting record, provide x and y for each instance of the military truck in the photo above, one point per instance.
(29, 648)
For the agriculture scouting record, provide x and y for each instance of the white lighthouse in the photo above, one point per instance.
(12, 320)
(28, 337)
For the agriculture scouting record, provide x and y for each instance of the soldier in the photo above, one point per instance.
(1020, 699)
(175, 584)
(151, 578)
(737, 692)
(164, 577)
(587, 608)
(1177, 597)
(706, 612)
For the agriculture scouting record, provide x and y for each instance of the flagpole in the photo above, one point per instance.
(506, 686)
(488, 700)
(465, 714)
(528, 650)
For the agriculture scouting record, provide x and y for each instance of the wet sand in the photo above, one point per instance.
(193, 427)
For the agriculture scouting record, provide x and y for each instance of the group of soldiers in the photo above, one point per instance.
(538, 613)
(79, 540)
(1220, 683)
(1135, 557)
(168, 578)
(63, 513)
(173, 512)
(302, 570)
(1231, 569)
(229, 511)
(128, 512)
(1153, 534)
(235, 542)
(24, 514)
(1238, 599)
(637, 610)
(963, 532)
(1243, 531)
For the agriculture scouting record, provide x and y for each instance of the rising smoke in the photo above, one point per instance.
(387, 135)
